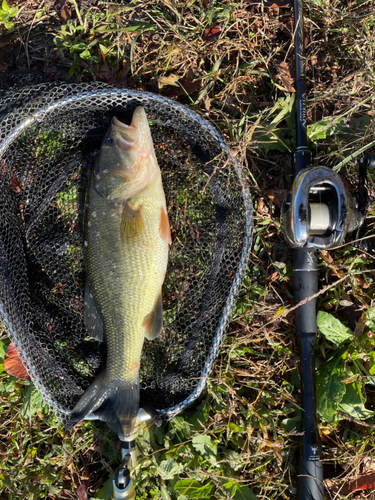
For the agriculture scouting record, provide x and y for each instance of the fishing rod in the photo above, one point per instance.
(317, 213)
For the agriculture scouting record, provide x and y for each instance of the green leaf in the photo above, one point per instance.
(192, 489)
(290, 424)
(9, 26)
(105, 493)
(204, 445)
(5, 6)
(180, 428)
(234, 460)
(286, 105)
(104, 49)
(164, 492)
(333, 329)
(9, 387)
(370, 321)
(32, 402)
(2, 351)
(168, 469)
(85, 55)
(323, 128)
(239, 492)
(13, 11)
(353, 402)
(329, 388)
(78, 47)
(201, 415)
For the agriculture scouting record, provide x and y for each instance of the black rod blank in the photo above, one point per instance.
(305, 280)
(302, 155)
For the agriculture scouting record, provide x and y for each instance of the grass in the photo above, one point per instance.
(241, 440)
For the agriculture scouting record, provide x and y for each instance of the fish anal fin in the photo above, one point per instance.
(164, 229)
(92, 399)
(93, 320)
(132, 223)
(153, 322)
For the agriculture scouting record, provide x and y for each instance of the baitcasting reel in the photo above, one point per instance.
(320, 210)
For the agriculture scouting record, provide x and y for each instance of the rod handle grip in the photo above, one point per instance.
(310, 480)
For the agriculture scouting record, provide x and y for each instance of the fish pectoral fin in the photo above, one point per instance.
(153, 322)
(132, 221)
(164, 229)
(93, 320)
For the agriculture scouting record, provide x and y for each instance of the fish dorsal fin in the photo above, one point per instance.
(132, 221)
(93, 320)
(153, 322)
(164, 229)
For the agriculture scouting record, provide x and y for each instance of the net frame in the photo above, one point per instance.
(15, 120)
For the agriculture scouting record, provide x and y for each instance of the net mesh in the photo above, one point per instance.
(50, 135)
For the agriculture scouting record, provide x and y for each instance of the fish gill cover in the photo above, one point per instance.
(50, 136)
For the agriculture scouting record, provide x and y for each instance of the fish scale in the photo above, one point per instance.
(133, 268)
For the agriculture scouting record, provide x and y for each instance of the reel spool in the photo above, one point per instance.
(320, 211)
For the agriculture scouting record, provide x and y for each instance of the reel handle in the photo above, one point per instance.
(310, 480)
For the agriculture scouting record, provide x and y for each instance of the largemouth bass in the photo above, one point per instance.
(126, 231)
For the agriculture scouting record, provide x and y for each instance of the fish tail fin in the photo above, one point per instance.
(115, 402)
(121, 409)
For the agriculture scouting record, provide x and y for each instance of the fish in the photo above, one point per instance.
(126, 244)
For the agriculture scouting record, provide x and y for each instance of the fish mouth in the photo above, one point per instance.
(126, 135)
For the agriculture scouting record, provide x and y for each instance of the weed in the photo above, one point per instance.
(82, 41)
(349, 364)
(7, 14)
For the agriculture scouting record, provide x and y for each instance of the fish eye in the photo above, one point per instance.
(108, 141)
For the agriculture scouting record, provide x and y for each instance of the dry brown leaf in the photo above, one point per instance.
(212, 34)
(329, 260)
(314, 60)
(262, 207)
(171, 79)
(182, 87)
(114, 76)
(13, 364)
(63, 10)
(82, 490)
(277, 196)
(274, 276)
(345, 487)
(327, 257)
(207, 103)
(283, 69)
(360, 326)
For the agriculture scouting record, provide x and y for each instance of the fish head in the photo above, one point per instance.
(127, 160)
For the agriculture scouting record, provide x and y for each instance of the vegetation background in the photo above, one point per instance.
(232, 61)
